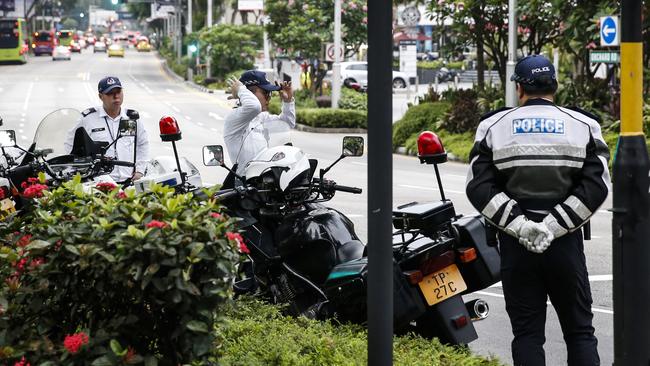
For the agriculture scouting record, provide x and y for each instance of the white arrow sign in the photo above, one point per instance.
(609, 31)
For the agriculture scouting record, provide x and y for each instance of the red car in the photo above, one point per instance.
(75, 47)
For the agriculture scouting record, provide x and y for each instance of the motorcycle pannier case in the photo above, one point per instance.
(485, 270)
(428, 217)
(346, 287)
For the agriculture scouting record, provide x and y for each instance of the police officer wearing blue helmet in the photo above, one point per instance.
(246, 129)
(538, 172)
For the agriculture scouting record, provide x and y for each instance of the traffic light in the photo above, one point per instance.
(192, 48)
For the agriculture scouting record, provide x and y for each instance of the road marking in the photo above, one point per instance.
(1, 90)
(21, 125)
(358, 163)
(605, 211)
(176, 109)
(170, 91)
(23, 137)
(29, 93)
(189, 119)
(430, 188)
(214, 129)
(594, 278)
(148, 90)
(200, 124)
(595, 310)
(21, 131)
(23, 114)
(146, 115)
(215, 116)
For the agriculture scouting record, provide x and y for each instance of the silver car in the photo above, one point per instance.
(61, 53)
(99, 47)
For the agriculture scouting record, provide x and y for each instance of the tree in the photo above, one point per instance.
(70, 23)
(484, 23)
(301, 27)
(233, 46)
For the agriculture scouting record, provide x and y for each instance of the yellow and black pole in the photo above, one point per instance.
(631, 223)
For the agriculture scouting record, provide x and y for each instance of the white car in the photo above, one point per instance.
(357, 72)
(99, 47)
(61, 53)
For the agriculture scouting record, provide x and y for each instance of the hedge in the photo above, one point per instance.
(418, 118)
(331, 118)
(257, 334)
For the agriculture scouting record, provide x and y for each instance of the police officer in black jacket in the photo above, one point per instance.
(539, 172)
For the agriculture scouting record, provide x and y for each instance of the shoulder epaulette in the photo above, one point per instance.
(492, 113)
(88, 111)
(588, 114)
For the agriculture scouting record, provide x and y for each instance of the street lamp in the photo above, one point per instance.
(81, 15)
(114, 2)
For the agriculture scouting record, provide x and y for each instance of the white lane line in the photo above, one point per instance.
(189, 118)
(215, 116)
(148, 90)
(200, 124)
(23, 137)
(1, 90)
(29, 94)
(21, 131)
(169, 103)
(23, 114)
(594, 278)
(21, 125)
(605, 211)
(595, 310)
(214, 129)
(429, 188)
(170, 91)
(175, 109)
(358, 163)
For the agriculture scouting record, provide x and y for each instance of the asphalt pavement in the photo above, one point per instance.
(29, 92)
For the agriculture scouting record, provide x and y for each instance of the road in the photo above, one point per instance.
(31, 91)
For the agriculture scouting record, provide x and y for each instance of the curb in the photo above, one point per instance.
(189, 83)
(305, 128)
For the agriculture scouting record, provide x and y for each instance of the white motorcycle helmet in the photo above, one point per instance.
(292, 161)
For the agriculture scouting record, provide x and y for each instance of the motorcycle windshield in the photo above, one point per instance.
(53, 130)
(279, 133)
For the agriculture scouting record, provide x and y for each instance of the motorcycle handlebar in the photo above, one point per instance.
(122, 163)
(354, 190)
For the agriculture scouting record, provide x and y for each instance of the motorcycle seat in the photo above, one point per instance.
(350, 251)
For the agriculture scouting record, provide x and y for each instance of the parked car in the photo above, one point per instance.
(99, 47)
(61, 53)
(357, 72)
(116, 50)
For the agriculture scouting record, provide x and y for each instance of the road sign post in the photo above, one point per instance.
(609, 31)
(631, 221)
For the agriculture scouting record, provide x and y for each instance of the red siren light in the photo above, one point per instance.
(430, 149)
(169, 130)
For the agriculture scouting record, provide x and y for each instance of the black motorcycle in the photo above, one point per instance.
(308, 256)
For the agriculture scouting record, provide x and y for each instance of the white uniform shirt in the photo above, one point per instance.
(246, 129)
(101, 127)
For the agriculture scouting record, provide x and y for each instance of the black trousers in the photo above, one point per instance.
(561, 274)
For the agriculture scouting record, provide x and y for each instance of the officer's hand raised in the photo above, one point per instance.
(234, 84)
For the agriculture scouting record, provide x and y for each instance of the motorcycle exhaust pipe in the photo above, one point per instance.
(478, 309)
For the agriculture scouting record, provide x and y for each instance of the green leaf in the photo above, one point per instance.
(137, 218)
(109, 257)
(72, 249)
(196, 248)
(197, 326)
(102, 361)
(38, 244)
(117, 348)
(152, 269)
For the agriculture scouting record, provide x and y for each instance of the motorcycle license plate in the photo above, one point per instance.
(442, 285)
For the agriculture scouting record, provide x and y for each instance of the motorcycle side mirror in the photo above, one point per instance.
(352, 146)
(1, 122)
(7, 138)
(128, 127)
(213, 155)
(43, 152)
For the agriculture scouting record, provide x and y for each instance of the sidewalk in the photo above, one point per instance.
(402, 97)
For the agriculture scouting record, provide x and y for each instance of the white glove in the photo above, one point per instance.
(535, 236)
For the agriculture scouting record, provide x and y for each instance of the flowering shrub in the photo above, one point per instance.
(106, 278)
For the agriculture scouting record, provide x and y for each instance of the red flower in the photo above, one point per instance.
(24, 240)
(22, 362)
(3, 195)
(129, 354)
(105, 186)
(121, 195)
(35, 263)
(236, 237)
(215, 215)
(20, 265)
(156, 223)
(74, 342)
(34, 191)
(33, 180)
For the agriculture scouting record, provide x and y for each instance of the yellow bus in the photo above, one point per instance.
(13, 40)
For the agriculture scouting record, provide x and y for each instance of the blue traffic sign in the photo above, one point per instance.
(609, 31)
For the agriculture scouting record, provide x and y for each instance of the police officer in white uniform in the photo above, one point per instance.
(246, 129)
(102, 124)
(539, 172)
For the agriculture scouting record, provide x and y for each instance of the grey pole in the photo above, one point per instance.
(188, 28)
(511, 91)
(208, 61)
(336, 68)
(380, 184)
